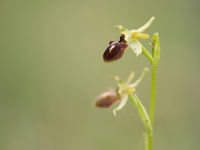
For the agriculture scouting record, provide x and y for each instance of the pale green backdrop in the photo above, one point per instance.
(51, 70)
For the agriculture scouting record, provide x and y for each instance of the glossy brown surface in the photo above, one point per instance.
(115, 50)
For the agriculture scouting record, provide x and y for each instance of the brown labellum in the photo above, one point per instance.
(107, 98)
(115, 49)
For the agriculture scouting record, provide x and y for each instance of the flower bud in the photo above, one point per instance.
(155, 49)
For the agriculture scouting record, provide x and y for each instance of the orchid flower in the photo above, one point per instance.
(128, 38)
(132, 36)
(124, 89)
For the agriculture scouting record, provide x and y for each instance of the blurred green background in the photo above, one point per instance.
(52, 70)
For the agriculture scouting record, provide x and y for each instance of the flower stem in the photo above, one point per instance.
(152, 106)
(146, 120)
(153, 94)
(147, 54)
(150, 138)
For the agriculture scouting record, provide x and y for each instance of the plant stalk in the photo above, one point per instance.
(153, 94)
(150, 139)
(146, 120)
(147, 54)
(152, 106)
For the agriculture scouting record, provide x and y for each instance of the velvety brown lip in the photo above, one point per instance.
(107, 98)
(115, 50)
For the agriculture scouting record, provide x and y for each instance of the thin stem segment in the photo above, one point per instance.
(153, 94)
(147, 54)
(146, 120)
(152, 106)
(150, 139)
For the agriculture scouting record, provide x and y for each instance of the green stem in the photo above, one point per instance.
(147, 54)
(146, 120)
(150, 138)
(149, 142)
(152, 106)
(133, 100)
(153, 61)
(153, 94)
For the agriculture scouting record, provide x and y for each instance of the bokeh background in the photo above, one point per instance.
(52, 70)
